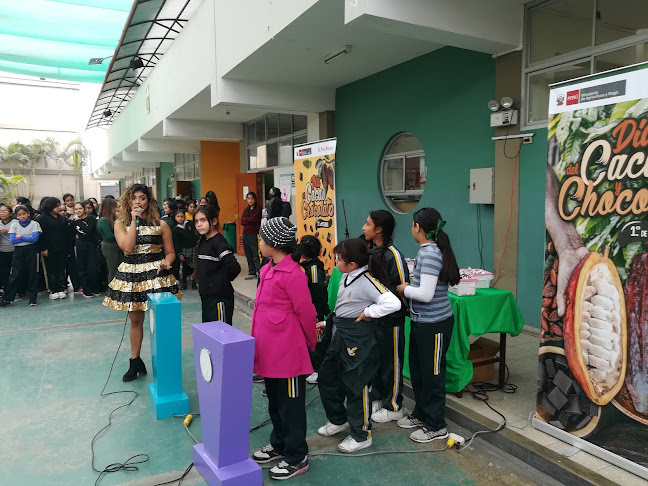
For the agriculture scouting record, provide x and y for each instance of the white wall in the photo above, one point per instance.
(242, 26)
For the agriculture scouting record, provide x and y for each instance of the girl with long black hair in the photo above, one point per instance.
(53, 245)
(251, 222)
(432, 323)
(216, 267)
(212, 200)
(388, 265)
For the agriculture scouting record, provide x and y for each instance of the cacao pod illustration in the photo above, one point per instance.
(633, 399)
(595, 328)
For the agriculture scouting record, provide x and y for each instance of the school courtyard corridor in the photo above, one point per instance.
(56, 358)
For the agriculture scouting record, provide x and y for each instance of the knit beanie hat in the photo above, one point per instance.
(279, 233)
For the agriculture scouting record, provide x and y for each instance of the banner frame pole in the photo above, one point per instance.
(593, 449)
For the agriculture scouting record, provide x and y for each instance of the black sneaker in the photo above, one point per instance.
(194, 285)
(283, 470)
(266, 454)
(5, 303)
(33, 304)
(257, 379)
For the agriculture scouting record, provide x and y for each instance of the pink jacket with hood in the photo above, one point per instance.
(283, 322)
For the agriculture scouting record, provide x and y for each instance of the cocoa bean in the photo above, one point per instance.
(553, 276)
(554, 317)
(544, 323)
(555, 265)
(551, 249)
(549, 291)
(554, 303)
(556, 330)
(546, 302)
(545, 313)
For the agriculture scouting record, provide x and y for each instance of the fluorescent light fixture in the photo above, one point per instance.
(493, 105)
(337, 54)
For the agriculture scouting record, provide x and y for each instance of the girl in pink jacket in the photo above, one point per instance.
(283, 324)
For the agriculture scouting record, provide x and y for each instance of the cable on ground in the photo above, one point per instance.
(129, 464)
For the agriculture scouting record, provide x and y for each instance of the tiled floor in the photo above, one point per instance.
(522, 362)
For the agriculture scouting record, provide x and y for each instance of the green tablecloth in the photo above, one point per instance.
(488, 311)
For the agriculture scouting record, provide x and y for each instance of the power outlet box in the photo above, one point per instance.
(504, 118)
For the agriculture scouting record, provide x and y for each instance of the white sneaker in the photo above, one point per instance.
(383, 415)
(312, 378)
(62, 295)
(329, 429)
(375, 406)
(54, 296)
(409, 422)
(351, 445)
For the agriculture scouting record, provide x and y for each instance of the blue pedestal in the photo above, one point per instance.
(166, 393)
(224, 358)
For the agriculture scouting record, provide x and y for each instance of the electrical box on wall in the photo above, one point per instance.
(482, 186)
(503, 118)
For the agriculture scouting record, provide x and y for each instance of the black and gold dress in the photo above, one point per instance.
(137, 276)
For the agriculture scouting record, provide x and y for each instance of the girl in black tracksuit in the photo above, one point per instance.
(313, 267)
(216, 268)
(389, 266)
(86, 249)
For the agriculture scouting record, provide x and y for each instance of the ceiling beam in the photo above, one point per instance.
(175, 146)
(201, 130)
(153, 157)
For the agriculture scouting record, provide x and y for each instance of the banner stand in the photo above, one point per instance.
(585, 446)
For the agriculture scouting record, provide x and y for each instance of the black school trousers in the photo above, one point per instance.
(387, 385)
(87, 261)
(251, 248)
(287, 409)
(6, 258)
(55, 265)
(333, 391)
(429, 343)
(217, 308)
(24, 269)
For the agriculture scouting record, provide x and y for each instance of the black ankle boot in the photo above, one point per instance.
(136, 366)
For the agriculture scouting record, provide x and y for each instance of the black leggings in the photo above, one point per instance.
(5, 267)
(25, 268)
(87, 262)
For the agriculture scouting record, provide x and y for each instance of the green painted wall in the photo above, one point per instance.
(166, 169)
(533, 166)
(441, 98)
(196, 189)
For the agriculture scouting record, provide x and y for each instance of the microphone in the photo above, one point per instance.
(137, 220)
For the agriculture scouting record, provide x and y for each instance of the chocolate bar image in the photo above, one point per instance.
(323, 223)
(329, 237)
(301, 176)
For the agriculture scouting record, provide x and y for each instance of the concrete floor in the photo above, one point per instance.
(55, 360)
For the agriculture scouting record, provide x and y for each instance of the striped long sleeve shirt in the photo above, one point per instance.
(429, 262)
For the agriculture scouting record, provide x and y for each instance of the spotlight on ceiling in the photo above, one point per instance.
(136, 63)
(107, 113)
(337, 54)
(493, 105)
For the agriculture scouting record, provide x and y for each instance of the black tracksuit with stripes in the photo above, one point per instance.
(217, 267)
(387, 385)
(314, 270)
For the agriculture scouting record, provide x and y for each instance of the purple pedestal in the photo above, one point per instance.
(224, 357)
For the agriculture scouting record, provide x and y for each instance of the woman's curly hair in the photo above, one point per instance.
(152, 212)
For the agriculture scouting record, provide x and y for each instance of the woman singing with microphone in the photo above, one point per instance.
(147, 244)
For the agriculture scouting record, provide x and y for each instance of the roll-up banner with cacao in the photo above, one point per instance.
(593, 369)
(315, 193)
